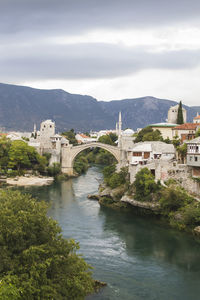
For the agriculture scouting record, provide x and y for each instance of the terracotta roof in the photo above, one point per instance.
(197, 117)
(83, 136)
(186, 126)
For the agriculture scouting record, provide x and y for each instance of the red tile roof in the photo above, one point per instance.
(186, 126)
(197, 117)
(83, 136)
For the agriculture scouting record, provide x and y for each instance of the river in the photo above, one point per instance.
(137, 256)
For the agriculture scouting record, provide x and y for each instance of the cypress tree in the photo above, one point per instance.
(180, 114)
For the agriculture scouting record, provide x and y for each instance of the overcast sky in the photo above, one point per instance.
(109, 49)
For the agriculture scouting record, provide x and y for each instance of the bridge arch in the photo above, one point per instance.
(70, 153)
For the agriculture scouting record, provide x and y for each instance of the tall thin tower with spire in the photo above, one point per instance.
(120, 130)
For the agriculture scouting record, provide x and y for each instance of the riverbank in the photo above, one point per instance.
(29, 181)
(172, 204)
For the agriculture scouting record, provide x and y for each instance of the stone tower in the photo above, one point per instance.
(173, 113)
(47, 130)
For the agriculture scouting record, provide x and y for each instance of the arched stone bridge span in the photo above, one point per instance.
(70, 152)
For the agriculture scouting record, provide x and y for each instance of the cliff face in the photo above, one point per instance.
(21, 107)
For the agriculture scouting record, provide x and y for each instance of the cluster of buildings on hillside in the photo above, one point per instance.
(158, 156)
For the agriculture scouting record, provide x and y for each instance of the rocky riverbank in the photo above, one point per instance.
(118, 198)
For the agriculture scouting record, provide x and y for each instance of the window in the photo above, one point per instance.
(190, 158)
(195, 158)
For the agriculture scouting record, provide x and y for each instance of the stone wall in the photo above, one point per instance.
(165, 170)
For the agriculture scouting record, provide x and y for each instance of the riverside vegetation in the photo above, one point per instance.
(17, 157)
(36, 261)
(170, 202)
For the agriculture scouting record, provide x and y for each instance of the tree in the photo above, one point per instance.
(36, 261)
(145, 185)
(4, 149)
(176, 141)
(113, 137)
(106, 139)
(54, 169)
(182, 152)
(148, 134)
(197, 132)
(21, 155)
(180, 114)
(70, 135)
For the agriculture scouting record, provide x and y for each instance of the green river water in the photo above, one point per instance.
(138, 257)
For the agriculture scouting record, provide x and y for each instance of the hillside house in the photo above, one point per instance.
(185, 132)
(146, 152)
(193, 156)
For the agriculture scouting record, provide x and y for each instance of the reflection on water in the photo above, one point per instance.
(137, 257)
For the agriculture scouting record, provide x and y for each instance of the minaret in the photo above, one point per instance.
(119, 129)
(34, 128)
(116, 129)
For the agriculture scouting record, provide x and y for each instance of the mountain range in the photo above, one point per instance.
(21, 107)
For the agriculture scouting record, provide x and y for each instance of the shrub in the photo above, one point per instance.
(191, 214)
(173, 199)
(54, 170)
(145, 185)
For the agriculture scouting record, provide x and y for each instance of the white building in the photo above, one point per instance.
(197, 119)
(84, 139)
(193, 156)
(145, 152)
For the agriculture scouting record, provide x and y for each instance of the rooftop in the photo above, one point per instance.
(194, 141)
(163, 125)
(186, 126)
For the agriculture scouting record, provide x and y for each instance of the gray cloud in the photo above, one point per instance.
(50, 17)
(82, 61)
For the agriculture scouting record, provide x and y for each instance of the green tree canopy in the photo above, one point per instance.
(106, 139)
(197, 133)
(70, 135)
(36, 261)
(145, 185)
(148, 134)
(21, 155)
(180, 114)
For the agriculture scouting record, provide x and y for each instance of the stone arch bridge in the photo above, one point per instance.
(70, 152)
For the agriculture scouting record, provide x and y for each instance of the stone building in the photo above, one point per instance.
(173, 113)
(145, 152)
(46, 141)
(185, 132)
(193, 156)
(165, 129)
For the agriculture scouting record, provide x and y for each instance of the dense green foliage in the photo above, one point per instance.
(172, 199)
(148, 134)
(92, 156)
(18, 156)
(113, 178)
(182, 210)
(145, 185)
(108, 139)
(36, 261)
(54, 169)
(182, 152)
(197, 133)
(180, 114)
(176, 141)
(81, 164)
(70, 135)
